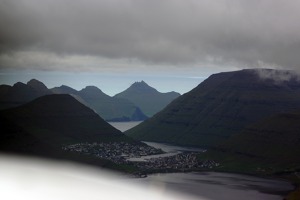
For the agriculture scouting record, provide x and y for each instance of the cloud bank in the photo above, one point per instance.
(48, 35)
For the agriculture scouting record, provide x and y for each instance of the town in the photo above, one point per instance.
(121, 152)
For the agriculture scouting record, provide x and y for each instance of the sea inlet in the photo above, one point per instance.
(209, 185)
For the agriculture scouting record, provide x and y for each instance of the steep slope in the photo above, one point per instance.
(147, 98)
(20, 93)
(60, 119)
(222, 105)
(42, 126)
(274, 138)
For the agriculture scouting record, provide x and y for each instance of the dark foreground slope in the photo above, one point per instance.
(44, 125)
(148, 99)
(221, 106)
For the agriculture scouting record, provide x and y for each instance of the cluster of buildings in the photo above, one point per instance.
(117, 152)
(181, 161)
(120, 152)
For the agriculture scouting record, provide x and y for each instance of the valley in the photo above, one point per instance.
(225, 124)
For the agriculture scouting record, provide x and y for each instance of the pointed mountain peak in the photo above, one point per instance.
(140, 83)
(142, 86)
(37, 85)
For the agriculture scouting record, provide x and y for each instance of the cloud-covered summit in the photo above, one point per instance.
(47, 34)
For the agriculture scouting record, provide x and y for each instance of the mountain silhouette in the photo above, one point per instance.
(222, 105)
(43, 126)
(109, 108)
(20, 93)
(148, 99)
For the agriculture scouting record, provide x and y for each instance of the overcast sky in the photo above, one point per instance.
(170, 43)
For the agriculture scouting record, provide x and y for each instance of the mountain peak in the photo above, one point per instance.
(147, 98)
(91, 88)
(140, 83)
(19, 84)
(142, 86)
(37, 85)
(64, 89)
(220, 106)
(93, 92)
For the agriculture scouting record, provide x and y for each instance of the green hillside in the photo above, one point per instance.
(268, 147)
(274, 138)
(222, 105)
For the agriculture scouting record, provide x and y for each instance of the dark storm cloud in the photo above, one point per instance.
(175, 32)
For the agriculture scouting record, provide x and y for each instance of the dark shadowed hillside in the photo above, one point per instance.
(274, 138)
(61, 119)
(147, 98)
(222, 105)
(43, 126)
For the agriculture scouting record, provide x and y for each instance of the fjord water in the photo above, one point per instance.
(124, 126)
(211, 185)
(216, 186)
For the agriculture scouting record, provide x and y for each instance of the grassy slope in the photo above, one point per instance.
(219, 107)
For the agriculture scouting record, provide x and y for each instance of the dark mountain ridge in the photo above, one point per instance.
(38, 86)
(43, 126)
(20, 93)
(61, 113)
(222, 105)
(110, 108)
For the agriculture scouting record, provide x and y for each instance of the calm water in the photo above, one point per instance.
(124, 126)
(210, 185)
(170, 150)
(218, 186)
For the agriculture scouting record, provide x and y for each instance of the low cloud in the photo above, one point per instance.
(278, 76)
(171, 33)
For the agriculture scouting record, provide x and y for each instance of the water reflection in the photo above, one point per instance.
(223, 186)
(124, 126)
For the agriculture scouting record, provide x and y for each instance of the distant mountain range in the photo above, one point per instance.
(221, 106)
(148, 99)
(44, 125)
(20, 93)
(109, 108)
